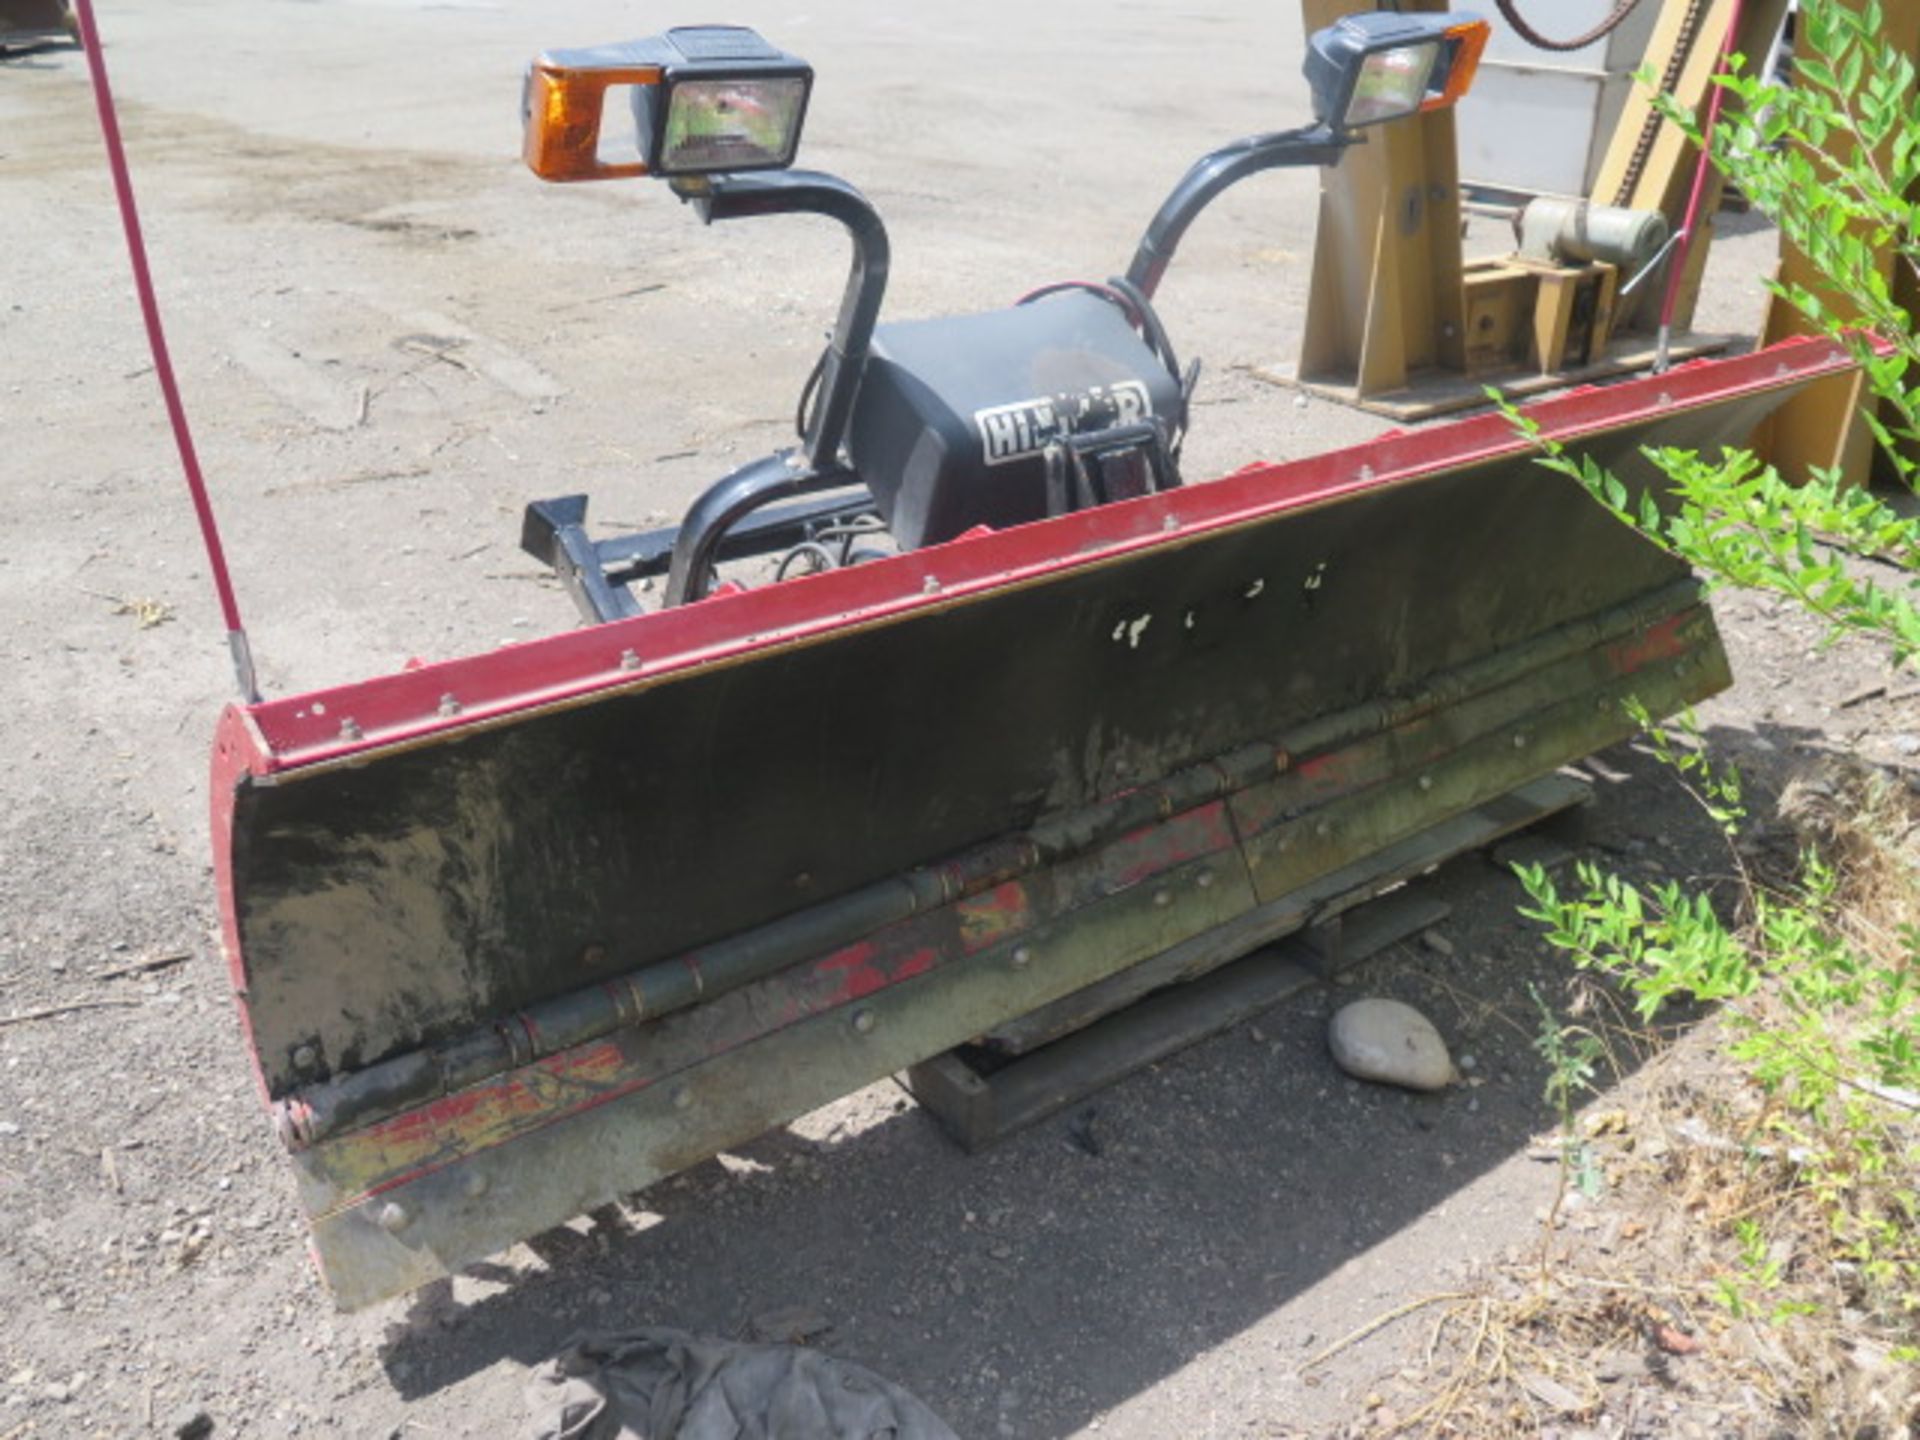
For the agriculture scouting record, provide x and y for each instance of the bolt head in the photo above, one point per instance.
(1205, 882)
(476, 1185)
(1163, 898)
(392, 1217)
(1022, 957)
(864, 1021)
(682, 1098)
(1426, 782)
(305, 1057)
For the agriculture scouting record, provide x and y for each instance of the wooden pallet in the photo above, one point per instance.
(1064, 1052)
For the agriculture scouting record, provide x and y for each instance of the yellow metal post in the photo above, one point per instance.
(1823, 427)
(1387, 299)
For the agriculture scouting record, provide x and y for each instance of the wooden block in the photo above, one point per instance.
(1385, 922)
(977, 1110)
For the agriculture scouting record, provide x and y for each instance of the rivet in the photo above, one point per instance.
(682, 1098)
(1205, 882)
(1163, 898)
(1323, 829)
(304, 1056)
(864, 1021)
(1022, 957)
(393, 1217)
(476, 1185)
(629, 660)
(1170, 524)
(1520, 740)
(930, 586)
(448, 705)
(1426, 782)
(350, 729)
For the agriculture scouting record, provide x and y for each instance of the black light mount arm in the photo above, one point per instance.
(1318, 144)
(809, 192)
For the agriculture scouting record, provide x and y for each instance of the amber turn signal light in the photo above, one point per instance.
(563, 109)
(1462, 46)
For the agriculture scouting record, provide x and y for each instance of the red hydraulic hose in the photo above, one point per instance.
(162, 361)
(1676, 276)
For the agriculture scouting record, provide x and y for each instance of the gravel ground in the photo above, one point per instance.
(390, 338)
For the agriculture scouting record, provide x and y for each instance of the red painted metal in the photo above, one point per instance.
(350, 721)
(157, 341)
(1677, 268)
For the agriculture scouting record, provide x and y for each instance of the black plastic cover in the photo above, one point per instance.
(953, 414)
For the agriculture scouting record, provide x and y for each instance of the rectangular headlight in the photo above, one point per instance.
(1391, 83)
(706, 99)
(1377, 66)
(734, 124)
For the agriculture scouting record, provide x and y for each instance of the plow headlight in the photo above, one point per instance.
(1368, 68)
(706, 98)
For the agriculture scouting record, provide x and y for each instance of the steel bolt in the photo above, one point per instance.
(350, 729)
(449, 706)
(304, 1057)
(1426, 782)
(629, 660)
(682, 1098)
(864, 1021)
(1205, 882)
(1323, 829)
(1022, 957)
(476, 1185)
(930, 586)
(393, 1217)
(1163, 898)
(1520, 740)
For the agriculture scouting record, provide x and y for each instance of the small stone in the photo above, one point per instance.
(1467, 1062)
(1907, 744)
(190, 1422)
(1391, 1043)
(8, 1128)
(1436, 942)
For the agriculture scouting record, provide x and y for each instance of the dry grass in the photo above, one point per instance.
(1717, 1286)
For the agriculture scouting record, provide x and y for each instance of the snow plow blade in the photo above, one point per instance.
(518, 934)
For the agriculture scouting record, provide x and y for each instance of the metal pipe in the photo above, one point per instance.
(241, 651)
(1213, 173)
(789, 192)
(1676, 277)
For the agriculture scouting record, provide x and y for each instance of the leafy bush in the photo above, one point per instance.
(1821, 995)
